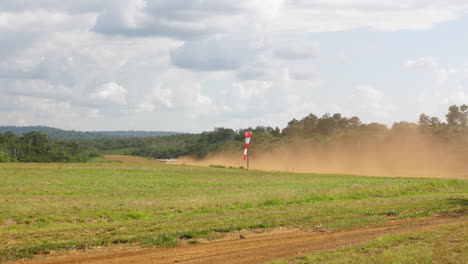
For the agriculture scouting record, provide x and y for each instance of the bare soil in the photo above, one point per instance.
(244, 247)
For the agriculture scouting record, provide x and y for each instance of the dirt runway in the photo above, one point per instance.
(253, 248)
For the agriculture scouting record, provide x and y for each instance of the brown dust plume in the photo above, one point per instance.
(406, 155)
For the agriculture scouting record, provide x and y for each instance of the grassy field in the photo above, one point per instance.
(48, 207)
(448, 244)
(122, 151)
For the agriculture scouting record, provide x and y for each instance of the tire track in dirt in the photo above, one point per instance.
(255, 248)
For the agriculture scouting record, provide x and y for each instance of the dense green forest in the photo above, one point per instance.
(154, 147)
(37, 147)
(310, 131)
(55, 133)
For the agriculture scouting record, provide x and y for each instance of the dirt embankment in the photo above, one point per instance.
(253, 248)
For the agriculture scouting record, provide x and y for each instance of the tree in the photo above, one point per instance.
(309, 123)
(457, 116)
(424, 120)
(37, 147)
(327, 124)
(354, 122)
(294, 129)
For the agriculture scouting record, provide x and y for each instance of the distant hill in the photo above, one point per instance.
(133, 133)
(56, 133)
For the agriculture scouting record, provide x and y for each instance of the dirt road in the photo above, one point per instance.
(254, 248)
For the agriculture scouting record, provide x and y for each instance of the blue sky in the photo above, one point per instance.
(194, 65)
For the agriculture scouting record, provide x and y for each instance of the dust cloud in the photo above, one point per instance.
(408, 155)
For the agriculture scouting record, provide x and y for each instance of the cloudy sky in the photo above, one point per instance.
(191, 65)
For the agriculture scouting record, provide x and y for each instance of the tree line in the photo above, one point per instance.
(55, 133)
(311, 130)
(37, 147)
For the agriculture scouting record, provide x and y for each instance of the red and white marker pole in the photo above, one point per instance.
(248, 135)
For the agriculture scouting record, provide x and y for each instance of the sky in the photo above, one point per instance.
(192, 65)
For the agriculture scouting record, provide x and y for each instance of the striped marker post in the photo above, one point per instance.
(248, 135)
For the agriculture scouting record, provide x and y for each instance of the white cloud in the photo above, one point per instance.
(41, 20)
(443, 75)
(145, 106)
(296, 50)
(178, 19)
(437, 102)
(371, 104)
(94, 113)
(175, 90)
(249, 89)
(30, 110)
(47, 105)
(338, 15)
(37, 88)
(266, 10)
(298, 106)
(374, 95)
(110, 92)
(217, 53)
(308, 72)
(201, 18)
(427, 62)
(172, 18)
(163, 96)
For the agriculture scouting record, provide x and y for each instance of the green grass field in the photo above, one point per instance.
(46, 207)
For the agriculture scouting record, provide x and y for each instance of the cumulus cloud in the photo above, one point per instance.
(209, 61)
(200, 18)
(216, 54)
(174, 19)
(159, 97)
(110, 92)
(442, 75)
(175, 90)
(248, 89)
(31, 110)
